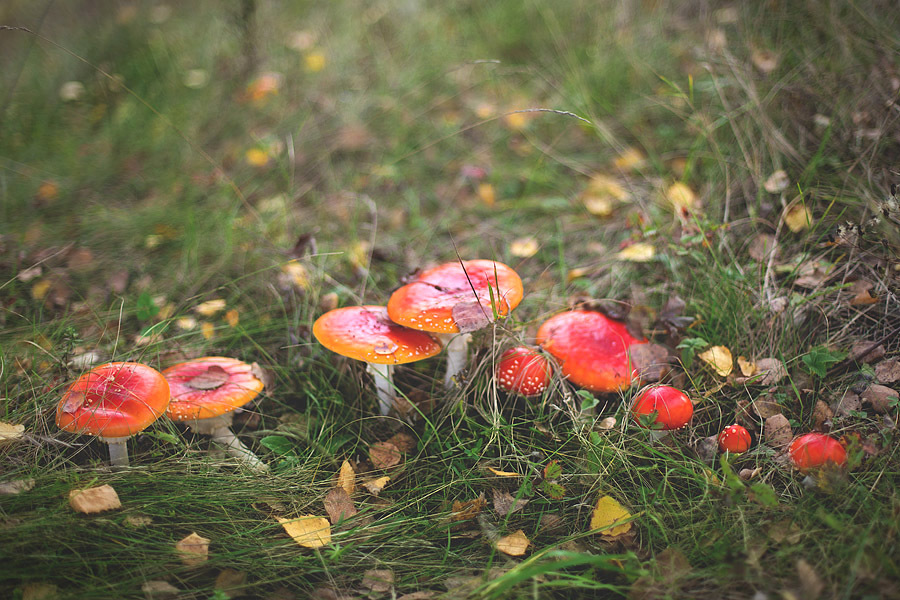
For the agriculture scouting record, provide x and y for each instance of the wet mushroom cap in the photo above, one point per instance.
(429, 302)
(591, 348)
(366, 333)
(735, 439)
(523, 371)
(672, 407)
(113, 400)
(814, 450)
(208, 387)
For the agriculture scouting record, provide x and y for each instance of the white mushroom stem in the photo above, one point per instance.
(457, 345)
(219, 428)
(118, 451)
(384, 385)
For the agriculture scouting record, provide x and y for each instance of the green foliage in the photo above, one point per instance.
(819, 359)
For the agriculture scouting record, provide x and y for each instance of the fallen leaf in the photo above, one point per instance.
(867, 352)
(314, 61)
(295, 275)
(798, 217)
(346, 478)
(524, 247)
(230, 582)
(747, 367)
(769, 371)
(811, 585)
(214, 377)
(471, 316)
(514, 544)
(232, 318)
(193, 550)
(820, 414)
(263, 86)
(764, 60)
(630, 159)
(681, 197)
(157, 588)
(36, 590)
(602, 194)
(777, 431)
(574, 274)
(338, 505)
(847, 404)
(308, 531)
(10, 433)
(606, 423)
(639, 252)
(210, 307)
(762, 247)
(777, 182)
(608, 516)
(650, 360)
(813, 274)
(384, 455)
(186, 323)
(138, 521)
(256, 157)
(48, 191)
(26, 275)
(888, 371)
(40, 288)
(94, 500)
(378, 580)
(469, 509)
(506, 504)
(487, 194)
(551, 522)
(500, 473)
(16, 486)
(376, 485)
(719, 358)
(880, 397)
(208, 330)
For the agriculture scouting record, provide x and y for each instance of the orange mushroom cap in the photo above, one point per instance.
(672, 407)
(113, 400)
(592, 349)
(208, 387)
(428, 302)
(366, 333)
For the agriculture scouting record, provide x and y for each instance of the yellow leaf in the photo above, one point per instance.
(524, 247)
(777, 182)
(485, 110)
(602, 194)
(798, 217)
(748, 368)
(314, 61)
(630, 159)
(764, 60)
(608, 517)
(500, 473)
(256, 157)
(574, 274)
(232, 317)
(10, 432)
(376, 485)
(186, 323)
(210, 307)
(39, 290)
(487, 194)
(514, 544)
(47, 191)
(208, 330)
(296, 274)
(516, 120)
(309, 531)
(94, 500)
(346, 478)
(359, 255)
(719, 358)
(681, 196)
(640, 252)
(193, 550)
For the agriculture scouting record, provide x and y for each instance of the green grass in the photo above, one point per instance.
(157, 210)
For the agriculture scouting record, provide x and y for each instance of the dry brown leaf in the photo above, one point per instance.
(811, 585)
(338, 505)
(230, 582)
(10, 433)
(157, 588)
(849, 402)
(16, 486)
(748, 368)
(378, 580)
(764, 60)
(471, 316)
(36, 590)
(798, 217)
(210, 307)
(346, 478)
(862, 293)
(551, 522)
(405, 442)
(777, 182)
(506, 504)
(514, 544)
(500, 473)
(639, 252)
(813, 274)
(606, 424)
(463, 511)
(888, 371)
(867, 352)
(719, 358)
(524, 247)
(821, 414)
(308, 531)
(769, 371)
(762, 247)
(681, 197)
(777, 431)
(610, 518)
(650, 360)
(193, 550)
(880, 397)
(384, 455)
(214, 377)
(94, 500)
(376, 485)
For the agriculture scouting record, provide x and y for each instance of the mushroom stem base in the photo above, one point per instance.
(457, 345)
(384, 385)
(118, 451)
(219, 428)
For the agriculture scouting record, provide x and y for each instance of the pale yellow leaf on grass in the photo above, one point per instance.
(514, 544)
(193, 550)
(610, 517)
(186, 323)
(40, 288)
(640, 252)
(607, 423)
(719, 358)
(602, 194)
(764, 60)
(500, 473)
(94, 500)
(376, 485)
(314, 61)
(47, 191)
(487, 194)
(296, 274)
(630, 159)
(680, 196)
(798, 217)
(747, 367)
(232, 318)
(346, 478)
(516, 120)
(358, 255)
(309, 531)
(574, 274)
(10, 433)
(256, 157)
(210, 307)
(777, 182)
(524, 247)
(208, 330)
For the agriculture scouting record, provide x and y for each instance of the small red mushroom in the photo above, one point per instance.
(662, 407)
(735, 439)
(814, 450)
(114, 401)
(523, 371)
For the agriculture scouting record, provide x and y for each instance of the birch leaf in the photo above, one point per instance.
(608, 517)
(94, 500)
(10, 432)
(798, 217)
(719, 358)
(346, 478)
(514, 544)
(640, 252)
(308, 531)
(193, 550)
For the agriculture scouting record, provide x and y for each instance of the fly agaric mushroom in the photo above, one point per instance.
(207, 392)
(453, 299)
(735, 439)
(366, 333)
(523, 371)
(591, 348)
(814, 450)
(114, 401)
(662, 408)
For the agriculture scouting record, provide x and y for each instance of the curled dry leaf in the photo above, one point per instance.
(748, 368)
(500, 473)
(798, 217)
(94, 500)
(463, 511)
(378, 580)
(308, 531)
(374, 486)
(210, 307)
(338, 505)
(214, 377)
(880, 397)
(610, 518)
(10, 433)
(639, 252)
(719, 358)
(16, 486)
(777, 431)
(777, 182)
(650, 360)
(384, 455)
(193, 550)
(506, 504)
(514, 544)
(524, 247)
(888, 371)
(346, 478)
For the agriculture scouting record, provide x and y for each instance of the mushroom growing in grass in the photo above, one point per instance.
(816, 450)
(366, 333)
(114, 401)
(207, 392)
(662, 408)
(523, 371)
(454, 299)
(735, 439)
(591, 348)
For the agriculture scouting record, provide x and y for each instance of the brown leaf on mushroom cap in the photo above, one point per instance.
(384, 455)
(193, 550)
(94, 500)
(214, 377)
(777, 431)
(338, 505)
(471, 316)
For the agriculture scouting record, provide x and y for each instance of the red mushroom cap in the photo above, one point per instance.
(735, 439)
(814, 450)
(672, 407)
(428, 302)
(592, 349)
(207, 387)
(366, 333)
(114, 400)
(523, 371)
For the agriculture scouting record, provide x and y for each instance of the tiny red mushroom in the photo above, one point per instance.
(452, 299)
(591, 348)
(206, 393)
(814, 450)
(523, 371)
(662, 408)
(114, 401)
(735, 439)
(366, 333)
